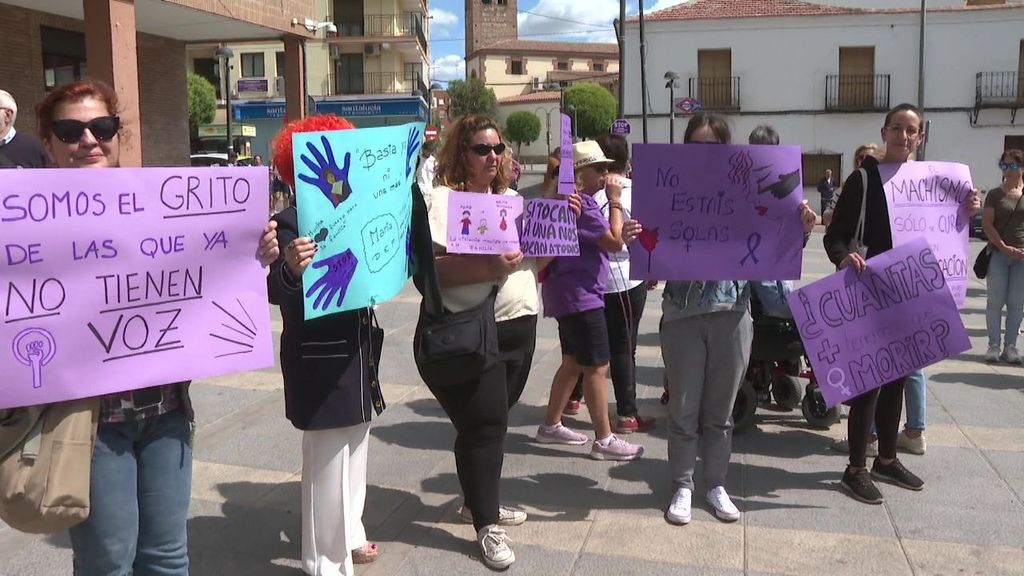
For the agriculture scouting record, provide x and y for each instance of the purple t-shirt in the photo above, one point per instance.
(576, 283)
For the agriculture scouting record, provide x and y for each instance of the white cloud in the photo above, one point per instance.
(442, 17)
(450, 67)
(589, 21)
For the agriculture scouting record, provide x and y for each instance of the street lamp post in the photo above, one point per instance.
(547, 124)
(225, 54)
(671, 78)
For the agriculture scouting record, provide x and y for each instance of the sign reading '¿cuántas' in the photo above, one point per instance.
(864, 330)
(125, 278)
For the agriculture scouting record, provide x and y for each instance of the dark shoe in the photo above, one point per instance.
(896, 473)
(861, 487)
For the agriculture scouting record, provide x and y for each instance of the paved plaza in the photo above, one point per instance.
(589, 517)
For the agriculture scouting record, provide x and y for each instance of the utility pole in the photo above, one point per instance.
(920, 72)
(622, 57)
(643, 72)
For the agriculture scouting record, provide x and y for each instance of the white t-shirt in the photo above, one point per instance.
(425, 178)
(618, 262)
(517, 293)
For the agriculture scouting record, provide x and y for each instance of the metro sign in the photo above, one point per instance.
(688, 105)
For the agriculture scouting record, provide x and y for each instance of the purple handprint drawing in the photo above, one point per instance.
(340, 270)
(412, 148)
(327, 176)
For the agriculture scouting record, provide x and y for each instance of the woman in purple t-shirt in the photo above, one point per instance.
(573, 294)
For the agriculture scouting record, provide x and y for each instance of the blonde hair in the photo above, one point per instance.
(871, 147)
(451, 170)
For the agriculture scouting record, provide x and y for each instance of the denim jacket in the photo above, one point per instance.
(683, 299)
(772, 296)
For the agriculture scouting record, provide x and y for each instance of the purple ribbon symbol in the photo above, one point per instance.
(34, 347)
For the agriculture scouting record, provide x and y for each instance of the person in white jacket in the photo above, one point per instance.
(427, 170)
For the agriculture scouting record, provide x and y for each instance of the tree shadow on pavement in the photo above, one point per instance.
(988, 380)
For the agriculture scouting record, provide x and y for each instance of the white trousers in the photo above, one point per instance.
(333, 494)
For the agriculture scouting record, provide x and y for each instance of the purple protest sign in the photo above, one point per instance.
(861, 331)
(926, 199)
(717, 212)
(566, 169)
(129, 278)
(549, 229)
(483, 223)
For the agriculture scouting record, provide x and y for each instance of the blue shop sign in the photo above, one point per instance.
(364, 108)
(258, 110)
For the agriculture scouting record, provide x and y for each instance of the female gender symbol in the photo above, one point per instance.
(34, 347)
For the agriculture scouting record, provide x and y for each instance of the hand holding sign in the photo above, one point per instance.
(329, 178)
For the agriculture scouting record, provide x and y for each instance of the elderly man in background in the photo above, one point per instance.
(19, 150)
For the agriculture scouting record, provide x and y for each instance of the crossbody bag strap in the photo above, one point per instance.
(1012, 212)
(859, 234)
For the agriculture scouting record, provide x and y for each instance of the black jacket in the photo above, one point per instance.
(330, 364)
(877, 234)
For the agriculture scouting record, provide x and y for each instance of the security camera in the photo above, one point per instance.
(331, 28)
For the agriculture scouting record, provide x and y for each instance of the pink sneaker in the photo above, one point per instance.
(617, 449)
(560, 435)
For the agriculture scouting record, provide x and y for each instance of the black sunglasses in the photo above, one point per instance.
(103, 128)
(485, 149)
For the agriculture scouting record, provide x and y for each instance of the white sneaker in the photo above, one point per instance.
(913, 445)
(724, 508)
(993, 354)
(679, 508)
(506, 516)
(1011, 356)
(494, 547)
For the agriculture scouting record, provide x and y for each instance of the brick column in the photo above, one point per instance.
(295, 77)
(111, 50)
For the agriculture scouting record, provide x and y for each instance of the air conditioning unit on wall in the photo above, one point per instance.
(536, 83)
(372, 49)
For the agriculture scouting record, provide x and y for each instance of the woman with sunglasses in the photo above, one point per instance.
(472, 159)
(902, 132)
(141, 473)
(706, 336)
(1003, 221)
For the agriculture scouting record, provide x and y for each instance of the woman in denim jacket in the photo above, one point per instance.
(705, 342)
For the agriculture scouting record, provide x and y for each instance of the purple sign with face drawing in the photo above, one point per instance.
(717, 212)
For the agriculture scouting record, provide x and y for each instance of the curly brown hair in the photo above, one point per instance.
(451, 170)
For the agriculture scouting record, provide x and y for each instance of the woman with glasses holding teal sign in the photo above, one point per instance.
(1003, 221)
(141, 469)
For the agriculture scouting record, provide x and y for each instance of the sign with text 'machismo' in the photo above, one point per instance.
(926, 199)
(864, 330)
(119, 279)
(717, 212)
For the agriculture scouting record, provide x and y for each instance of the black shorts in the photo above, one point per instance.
(584, 336)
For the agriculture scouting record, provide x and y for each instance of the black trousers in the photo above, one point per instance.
(883, 407)
(622, 312)
(478, 409)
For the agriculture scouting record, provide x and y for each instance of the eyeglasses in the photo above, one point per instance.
(103, 128)
(1004, 166)
(485, 149)
(909, 130)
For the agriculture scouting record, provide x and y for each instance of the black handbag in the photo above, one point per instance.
(985, 256)
(449, 347)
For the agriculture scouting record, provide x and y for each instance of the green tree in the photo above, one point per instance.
(595, 109)
(522, 128)
(470, 97)
(202, 102)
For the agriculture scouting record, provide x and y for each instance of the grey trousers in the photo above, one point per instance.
(705, 359)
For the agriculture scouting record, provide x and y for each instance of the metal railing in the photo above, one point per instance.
(857, 92)
(378, 83)
(998, 89)
(408, 25)
(716, 93)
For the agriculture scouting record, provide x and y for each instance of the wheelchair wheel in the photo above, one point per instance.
(817, 414)
(786, 391)
(744, 408)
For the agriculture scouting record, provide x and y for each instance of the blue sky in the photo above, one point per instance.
(571, 20)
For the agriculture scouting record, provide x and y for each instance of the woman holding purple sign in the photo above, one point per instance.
(706, 337)
(141, 469)
(902, 132)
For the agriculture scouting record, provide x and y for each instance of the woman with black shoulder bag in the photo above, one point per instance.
(1003, 221)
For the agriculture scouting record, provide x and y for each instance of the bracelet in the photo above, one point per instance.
(616, 205)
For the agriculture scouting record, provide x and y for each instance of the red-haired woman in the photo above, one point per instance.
(141, 473)
(331, 390)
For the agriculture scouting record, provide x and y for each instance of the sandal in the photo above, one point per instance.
(365, 555)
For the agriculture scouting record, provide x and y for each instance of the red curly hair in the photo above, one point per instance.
(281, 149)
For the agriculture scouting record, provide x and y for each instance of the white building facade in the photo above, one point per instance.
(824, 75)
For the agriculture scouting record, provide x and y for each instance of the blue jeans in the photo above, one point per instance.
(915, 395)
(1005, 289)
(141, 484)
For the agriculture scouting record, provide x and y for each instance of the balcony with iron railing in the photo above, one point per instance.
(379, 83)
(396, 26)
(716, 93)
(856, 93)
(998, 90)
